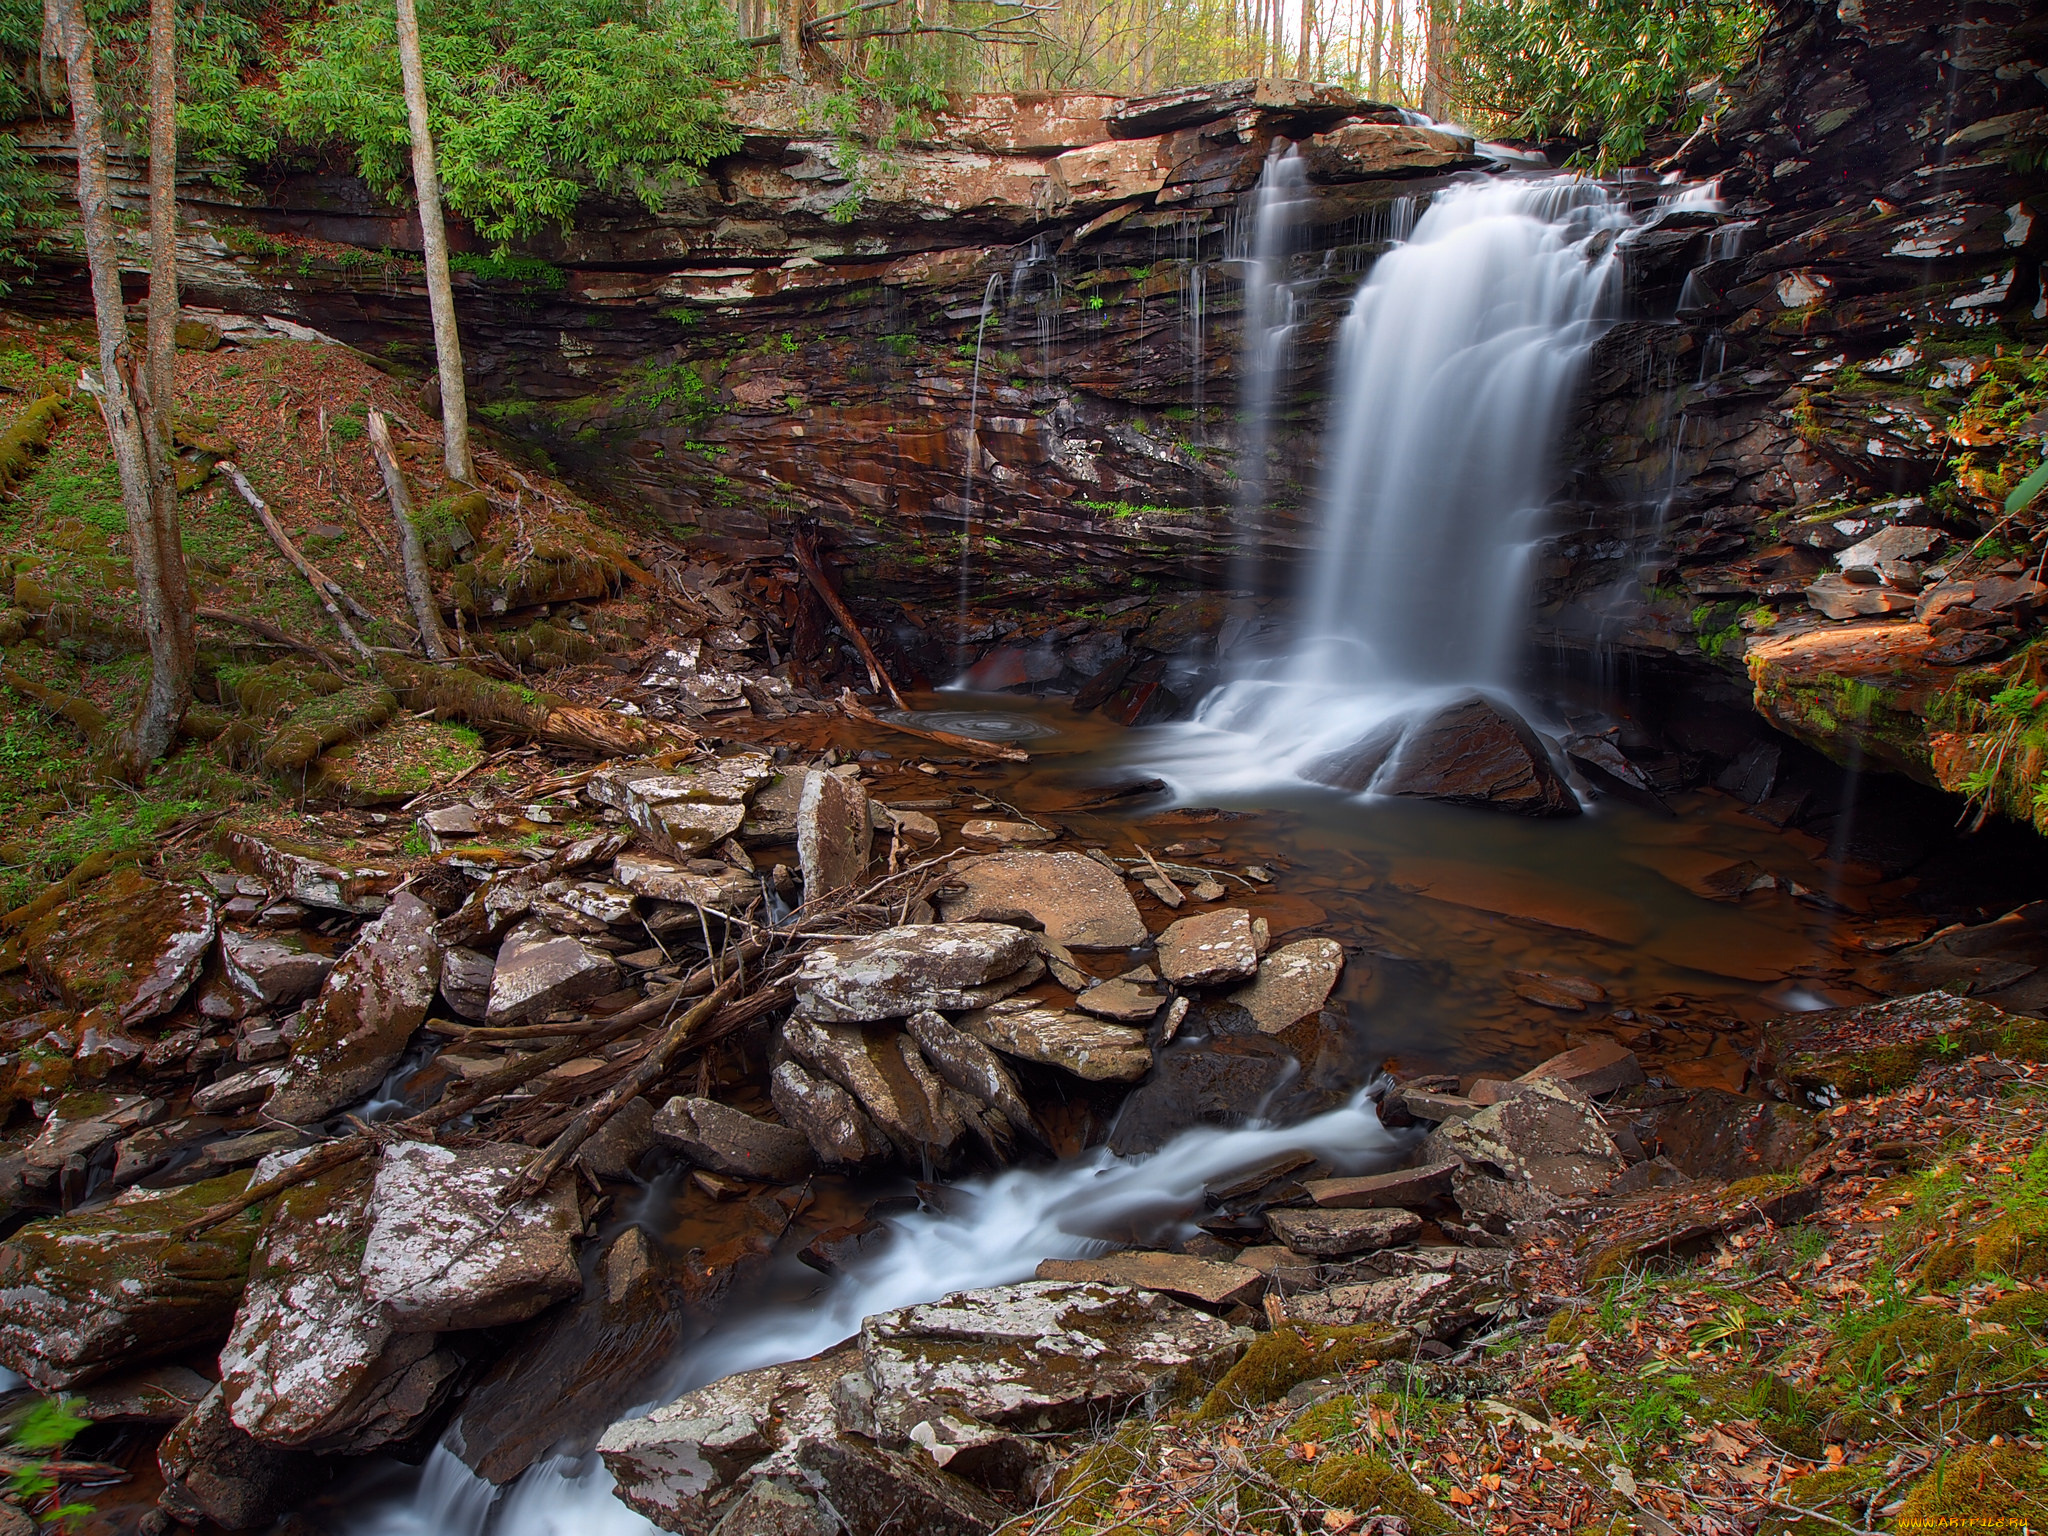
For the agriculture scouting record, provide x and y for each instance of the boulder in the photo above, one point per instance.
(119, 1285)
(1180, 1275)
(1221, 1081)
(1432, 1303)
(1073, 1042)
(664, 880)
(901, 971)
(731, 1141)
(466, 981)
(616, 1147)
(539, 971)
(1546, 1138)
(771, 1507)
(590, 907)
(1293, 983)
(833, 832)
(1209, 948)
(1404, 1186)
(970, 1066)
(276, 969)
(81, 1123)
(1075, 901)
(712, 781)
(1595, 1069)
(887, 1076)
(1478, 754)
(305, 875)
(1370, 151)
(837, 1128)
(1836, 597)
(313, 1361)
(443, 1252)
(238, 1091)
(1709, 1133)
(214, 1472)
(1818, 1059)
(357, 1028)
(129, 947)
(1326, 1233)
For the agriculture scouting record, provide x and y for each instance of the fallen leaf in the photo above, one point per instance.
(1460, 1496)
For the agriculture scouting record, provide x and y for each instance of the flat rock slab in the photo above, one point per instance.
(1596, 1069)
(442, 1251)
(680, 828)
(275, 969)
(1818, 1059)
(130, 946)
(1172, 1274)
(1073, 1042)
(1404, 1186)
(1001, 833)
(1075, 901)
(1434, 1304)
(834, 832)
(731, 1141)
(539, 971)
(368, 1008)
(1209, 948)
(1325, 1233)
(716, 781)
(1293, 983)
(1546, 1137)
(666, 880)
(901, 971)
(159, 1394)
(1124, 1002)
(829, 1118)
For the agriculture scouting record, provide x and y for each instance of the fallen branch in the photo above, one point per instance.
(854, 709)
(323, 588)
(81, 712)
(272, 633)
(412, 557)
(323, 1160)
(805, 550)
(89, 869)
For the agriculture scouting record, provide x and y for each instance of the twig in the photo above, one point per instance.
(805, 550)
(273, 634)
(856, 710)
(323, 588)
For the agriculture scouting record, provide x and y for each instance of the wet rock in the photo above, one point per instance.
(277, 970)
(160, 1394)
(902, 971)
(1478, 754)
(314, 1361)
(968, 1065)
(539, 971)
(1368, 151)
(730, 1141)
(120, 1285)
(1709, 1133)
(1222, 1081)
(1595, 1069)
(1209, 948)
(1075, 901)
(1836, 597)
(129, 947)
(1818, 1059)
(914, 827)
(1326, 1233)
(357, 1028)
(1567, 994)
(837, 1128)
(619, 1144)
(881, 1067)
(294, 873)
(81, 1123)
(1073, 1042)
(443, 1252)
(1004, 833)
(1546, 1137)
(1123, 1002)
(1293, 983)
(214, 1472)
(666, 881)
(833, 832)
(238, 1091)
(466, 981)
(1404, 1186)
(1179, 1275)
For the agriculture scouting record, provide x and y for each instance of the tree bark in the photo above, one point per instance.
(434, 237)
(142, 457)
(412, 556)
(163, 213)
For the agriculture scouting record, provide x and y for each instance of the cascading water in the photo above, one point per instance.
(1454, 370)
(1272, 312)
(988, 304)
(994, 1231)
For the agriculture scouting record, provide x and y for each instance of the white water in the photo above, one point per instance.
(1455, 369)
(1272, 312)
(995, 1231)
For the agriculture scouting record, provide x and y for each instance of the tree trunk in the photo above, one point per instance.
(163, 213)
(434, 237)
(148, 484)
(419, 589)
(1442, 16)
(793, 17)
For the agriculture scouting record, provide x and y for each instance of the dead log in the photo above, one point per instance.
(324, 588)
(457, 693)
(973, 746)
(806, 552)
(412, 555)
(274, 635)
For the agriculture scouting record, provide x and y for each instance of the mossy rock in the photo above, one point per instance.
(349, 714)
(1278, 1360)
(451, 525)
(1828, 1493)
(1983, 1487)
(402, 759)
(1929, 1354)
(557, 557)
(1361, 1482)
(268, 692)
(26, 437)
(1819, 1059)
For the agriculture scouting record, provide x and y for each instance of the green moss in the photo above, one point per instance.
(1277, 1360)
(348, 714)
(1983, 1487)
(1360, 1482)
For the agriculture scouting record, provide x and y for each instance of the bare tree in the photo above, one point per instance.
(434, 236)
(163, 213)
(148, 483)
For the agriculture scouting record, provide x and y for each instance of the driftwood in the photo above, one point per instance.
(327, 590)
(806, 551)
(971, 745)
(412, 556)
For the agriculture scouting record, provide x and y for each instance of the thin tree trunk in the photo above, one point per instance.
(1379, 39)
(793, 38)
(148, 485)
(1304, 66)
(434, 237)
(419, 590)
(163, 212)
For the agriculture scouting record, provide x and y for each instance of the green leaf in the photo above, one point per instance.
(2024, 493)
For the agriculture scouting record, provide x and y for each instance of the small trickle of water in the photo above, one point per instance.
(1272, 313)
(988, 307)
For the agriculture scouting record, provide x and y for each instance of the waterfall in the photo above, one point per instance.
(1454, 370)
(1272, 311)
(990, 1231)
(988, 303)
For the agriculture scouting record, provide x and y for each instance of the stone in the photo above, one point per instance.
(1403, 1186)
(1595, 1069)
(1433, 1304)
(1203, 1281)
(712, 781)
(539, 971)
(887, 1076)
(1434, 1107)
(278, 970)
(1567, 994)
(465, 981)
(1369, 151)
(837, 1128)
(442, 1251)
(1478, 754)
(368, 1008)
(771, 1507)
(1073, 1042)
(157, 1394)
(1076, 902)
(666, 881)
(680, 826)
(1710, 1133)
(238, 1091)
(1209, 948)
(1546, 1137)
(731, 1141)
(1223, 1080)
(1004, 833)
(617, 1146)
(971, 1067)
(295, 873)
(313, 1361)
(81, 1123)
(1293, 983)
(216, 1473)
(129, 946)
(450, 821)
(901, 971)
(914, 827)
(1897, 542)
(591, 907)
(1326, 1233)
(833, 832)
(1125, 1002)
(1818, 1059)
(1836, 597)
(119, 1285)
